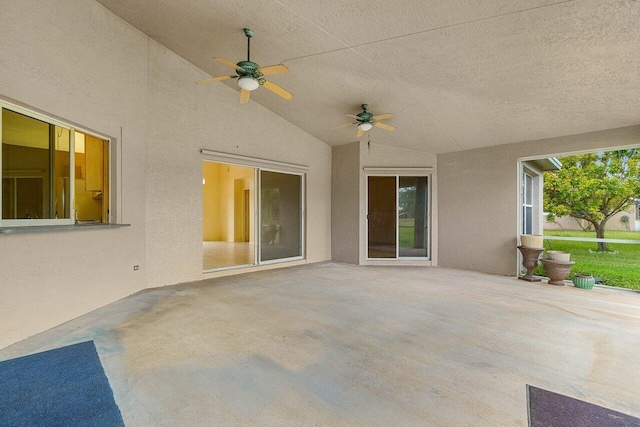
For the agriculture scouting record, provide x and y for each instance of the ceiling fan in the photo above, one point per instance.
(366, 121)
(250, 75)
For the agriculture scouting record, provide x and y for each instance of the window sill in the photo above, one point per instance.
(70, 227)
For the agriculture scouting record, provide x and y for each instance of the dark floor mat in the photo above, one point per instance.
(549, 409)
(62, 387)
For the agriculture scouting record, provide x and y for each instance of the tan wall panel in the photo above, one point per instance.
(478, 197)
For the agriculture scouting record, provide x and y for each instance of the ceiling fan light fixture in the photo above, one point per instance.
(365, 126)
(248, 83)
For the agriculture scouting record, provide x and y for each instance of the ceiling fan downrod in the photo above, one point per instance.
(249, 33)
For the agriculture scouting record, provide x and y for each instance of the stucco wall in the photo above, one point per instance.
(380, 155)
(479, 199)
(349, 203)
(345, 202)
(185, 118)
(614, 223)
(76, 61)
(79, 62)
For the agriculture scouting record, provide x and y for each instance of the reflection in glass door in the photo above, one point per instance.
(412, 217)
(398, 217)
(280, 216)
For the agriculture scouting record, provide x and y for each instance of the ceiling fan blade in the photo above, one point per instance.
(384, 126)
(228, 63)
(244, 96)
(360, 133)
(273, 69)
(277, 90)
(215, 79)
(382, 116)
(341, 126)
(352, 116)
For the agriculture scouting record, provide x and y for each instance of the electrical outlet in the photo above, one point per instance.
(136, 267)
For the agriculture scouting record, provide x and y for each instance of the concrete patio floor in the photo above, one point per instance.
(336, 344)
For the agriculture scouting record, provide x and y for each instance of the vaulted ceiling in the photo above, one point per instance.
(456, 74)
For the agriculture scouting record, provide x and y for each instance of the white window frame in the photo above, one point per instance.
(72, 130)
(524, 204)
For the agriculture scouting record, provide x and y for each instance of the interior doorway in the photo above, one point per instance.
(228, 237)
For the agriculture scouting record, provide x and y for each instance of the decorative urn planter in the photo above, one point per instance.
(557, 271)
(531, 240)
(530, 260)
(583, 281)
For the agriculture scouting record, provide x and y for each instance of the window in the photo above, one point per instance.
(52, 173)
(527, 204)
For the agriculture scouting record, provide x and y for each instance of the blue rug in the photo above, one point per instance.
(549, 409)
(62, 387)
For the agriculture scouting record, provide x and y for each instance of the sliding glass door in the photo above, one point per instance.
(398, 217)
(281, 224)
(251, 216)
(381, 226)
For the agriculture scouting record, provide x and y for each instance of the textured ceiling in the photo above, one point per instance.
(457, 74)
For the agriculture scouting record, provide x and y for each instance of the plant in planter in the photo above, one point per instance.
(583, 281)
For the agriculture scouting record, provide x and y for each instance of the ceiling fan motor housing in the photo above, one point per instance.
(365, 117)
(250, 69)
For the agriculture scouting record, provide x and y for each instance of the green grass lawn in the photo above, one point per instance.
(620, 268)
(406, 232)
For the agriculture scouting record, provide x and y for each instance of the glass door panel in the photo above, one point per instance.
(381, 224)
(413, 231)
(280, 215)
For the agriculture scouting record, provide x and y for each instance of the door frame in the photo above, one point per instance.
(397, 175)
(257, 165)
(302, 255)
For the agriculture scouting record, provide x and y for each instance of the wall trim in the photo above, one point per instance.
(252, 159)
(397, 170)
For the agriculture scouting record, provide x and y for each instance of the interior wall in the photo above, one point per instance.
(76, 61)
(479, 197)
(211, 218)
(230, 176)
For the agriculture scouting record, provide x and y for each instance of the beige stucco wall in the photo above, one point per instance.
(79, 62)
(385, 156)
(345, 203)
(349, 198)
(76, 61)
(185, 118)
(614, 223)
(479, 200)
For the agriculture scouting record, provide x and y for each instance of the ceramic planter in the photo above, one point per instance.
(584, 281)
(557, 271)
(559, 256)
(531, 240)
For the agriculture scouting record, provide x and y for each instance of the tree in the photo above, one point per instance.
(593, 187)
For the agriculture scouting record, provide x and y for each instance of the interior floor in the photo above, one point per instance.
(336, 344)
(227, 254)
